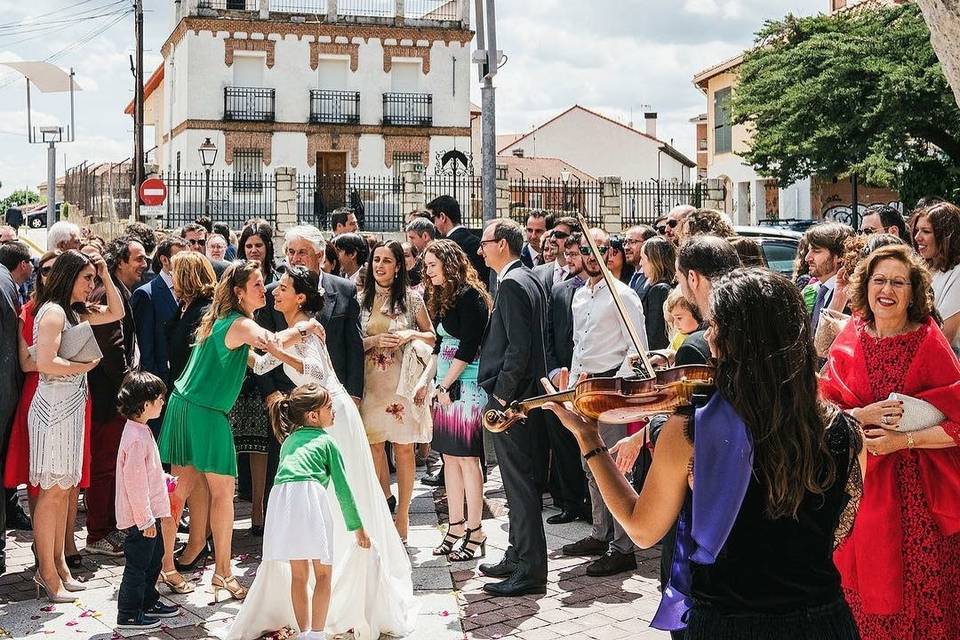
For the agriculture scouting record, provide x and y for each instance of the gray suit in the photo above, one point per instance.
(544, 273)
(12, 379)
(512, 361)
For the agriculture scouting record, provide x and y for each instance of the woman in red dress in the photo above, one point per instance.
(900, 570)
(17, 466)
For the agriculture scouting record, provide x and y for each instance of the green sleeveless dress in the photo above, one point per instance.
(196, 431)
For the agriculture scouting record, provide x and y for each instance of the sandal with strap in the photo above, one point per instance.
(468, 550)
(175, 587)
(228, 584)
(448, 540)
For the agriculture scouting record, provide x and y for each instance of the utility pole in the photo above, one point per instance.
(138, 111)
(487, 58)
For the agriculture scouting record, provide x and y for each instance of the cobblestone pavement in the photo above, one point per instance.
(452, 603)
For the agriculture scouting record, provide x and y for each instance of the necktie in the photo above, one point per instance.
(818, 306)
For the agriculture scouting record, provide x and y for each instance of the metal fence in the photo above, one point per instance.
(234, 197)
(465, 189)
(642, 202)
(101, 191)
(375, 199)
(557, 195)
(432, 10)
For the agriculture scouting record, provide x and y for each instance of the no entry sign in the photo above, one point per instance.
(153, 192)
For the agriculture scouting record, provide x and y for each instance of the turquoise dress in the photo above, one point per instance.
(196, 430)
(457, 429)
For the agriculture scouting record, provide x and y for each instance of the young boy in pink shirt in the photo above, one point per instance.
(142, 500)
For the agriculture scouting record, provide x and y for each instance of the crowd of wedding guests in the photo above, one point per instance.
(856, 355)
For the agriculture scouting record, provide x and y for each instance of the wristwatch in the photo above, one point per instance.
(303, 332)
(442, 389)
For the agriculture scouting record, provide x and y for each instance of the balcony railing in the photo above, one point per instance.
(408, 109)
(334, 107)
(251, 104)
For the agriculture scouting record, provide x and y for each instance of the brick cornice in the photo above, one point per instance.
(308, 128)
(333, 141)
(391, 51)
(267, 28)
(407, 143)
(334, 48)
(245, 44)
(248, 140)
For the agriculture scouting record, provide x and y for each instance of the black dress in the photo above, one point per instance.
(775, 579)
(652, 297)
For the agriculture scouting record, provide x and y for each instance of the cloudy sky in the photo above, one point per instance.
(608, 55)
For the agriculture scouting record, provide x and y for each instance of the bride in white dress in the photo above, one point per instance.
(372, 589)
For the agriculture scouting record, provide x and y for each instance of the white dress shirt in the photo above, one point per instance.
(168, 280)
(600, 340)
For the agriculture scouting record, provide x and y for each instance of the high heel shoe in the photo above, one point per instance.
(189, 567)
(228, 584)
(468, 550)
(448, 540)
(71, 584)
(175, 587)
(56, 598)
(392, 504)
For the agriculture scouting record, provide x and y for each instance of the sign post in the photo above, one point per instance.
(153, 193)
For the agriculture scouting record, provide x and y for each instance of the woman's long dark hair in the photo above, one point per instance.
(60, 283)
(767, 371)
(307, 283)
(398, 290)
(262, 229)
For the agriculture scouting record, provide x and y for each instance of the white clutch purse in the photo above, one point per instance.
(77, 344)
(917, 414)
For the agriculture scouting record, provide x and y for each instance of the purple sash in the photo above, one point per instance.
(723, 464)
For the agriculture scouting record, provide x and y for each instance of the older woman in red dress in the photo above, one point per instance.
(900, 570)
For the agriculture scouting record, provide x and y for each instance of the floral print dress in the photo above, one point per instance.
(388, 417)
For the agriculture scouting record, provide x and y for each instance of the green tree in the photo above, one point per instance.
(858, 92)
(19, 198)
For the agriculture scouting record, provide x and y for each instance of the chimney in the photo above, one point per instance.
(518, 153)
(651, 120)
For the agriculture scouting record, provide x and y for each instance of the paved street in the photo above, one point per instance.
(452, 604)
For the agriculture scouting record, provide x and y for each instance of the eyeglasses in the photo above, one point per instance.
(672, 223)
(880, 282)
(197, 243)
(632, 241)
(483, 242)
(866, 231)
(585, 251)
(561, 235)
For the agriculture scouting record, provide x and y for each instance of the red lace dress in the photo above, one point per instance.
(931, 562)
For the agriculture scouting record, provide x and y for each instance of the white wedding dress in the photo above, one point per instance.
(372, 589)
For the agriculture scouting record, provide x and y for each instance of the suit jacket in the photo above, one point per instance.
(653, 297)
(181, 334)
(560, 324)
(513, 358)
(694, 350)
(470, 244)
(219, 266)
(544, 273)
(12, 379)
(118, 342)
(340, 317)
(153, 308)
(526, 256)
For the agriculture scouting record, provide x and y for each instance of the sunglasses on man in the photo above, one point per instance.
(585, 251)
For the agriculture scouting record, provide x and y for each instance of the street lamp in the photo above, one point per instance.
(208, 155)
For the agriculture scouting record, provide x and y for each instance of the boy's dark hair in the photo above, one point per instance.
(205, 222)
(144, 234)
(340, 216)
(13, 253)
(448, 206)
(223, 229)
(138, 388)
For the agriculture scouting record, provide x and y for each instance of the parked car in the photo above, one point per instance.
(779, 246)
(791, 224)
(37, 216)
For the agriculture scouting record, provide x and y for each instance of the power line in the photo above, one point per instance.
(50, 30)
(59, 14)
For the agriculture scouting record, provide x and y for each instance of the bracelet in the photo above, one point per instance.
(598, 450)
(910, 443)
(441, 388)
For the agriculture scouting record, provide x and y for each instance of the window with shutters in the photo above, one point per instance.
(247, 170)
(722, 122)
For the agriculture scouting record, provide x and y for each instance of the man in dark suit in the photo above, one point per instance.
(126, 261)
(153, 307)
(10, 384)
(512, 361)
(445, 212)
(567, 472)
(537, 225)
(195, 235)
(340, 318)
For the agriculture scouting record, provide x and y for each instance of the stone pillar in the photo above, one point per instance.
(413, 197)
(503, 192)
(285, 199)
(714, 196)
(611, 215)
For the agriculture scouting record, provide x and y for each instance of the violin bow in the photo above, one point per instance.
(618, 302)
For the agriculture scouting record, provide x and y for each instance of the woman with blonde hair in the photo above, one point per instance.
(459, 306)
(196, 438)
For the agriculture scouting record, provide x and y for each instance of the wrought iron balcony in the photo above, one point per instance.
(251, 104)
(408, 109)
(334, 107)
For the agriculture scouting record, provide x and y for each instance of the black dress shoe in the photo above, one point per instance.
(589, 546)
(518, 584)
(563, 517)
(436, 480)
(18, 520)
(502, 569)
(612, 563)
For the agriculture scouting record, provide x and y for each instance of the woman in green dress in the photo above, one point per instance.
(196, 437)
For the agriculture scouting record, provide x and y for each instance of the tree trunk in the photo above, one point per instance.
(943, 19)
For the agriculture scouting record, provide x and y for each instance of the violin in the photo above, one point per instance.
(617, 400)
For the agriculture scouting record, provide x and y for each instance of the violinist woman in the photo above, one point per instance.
(758, 476)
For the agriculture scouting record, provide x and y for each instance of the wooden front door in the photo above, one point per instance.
(331, 184)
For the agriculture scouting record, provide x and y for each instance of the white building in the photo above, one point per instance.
(326, 86)
(600, 146)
